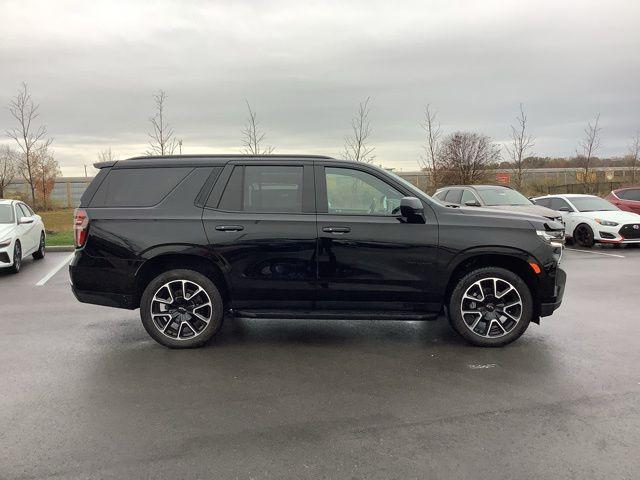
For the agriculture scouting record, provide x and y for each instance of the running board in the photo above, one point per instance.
(334, 315)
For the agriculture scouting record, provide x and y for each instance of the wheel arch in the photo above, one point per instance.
(164, 262)
(515, 261)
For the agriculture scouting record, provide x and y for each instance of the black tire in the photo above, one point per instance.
(569, 241)
(515, 328)
(203, 335)
(583, 235)
(39, 254)
(17, 258)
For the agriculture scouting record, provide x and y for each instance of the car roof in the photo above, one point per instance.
(205, 159)
(6, 201)
(476, 187)
(566, 195)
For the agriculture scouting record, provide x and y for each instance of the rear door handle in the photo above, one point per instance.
(336, 229)
(229, 228)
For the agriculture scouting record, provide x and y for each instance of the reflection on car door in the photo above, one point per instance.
(368, 258)
(260, 222)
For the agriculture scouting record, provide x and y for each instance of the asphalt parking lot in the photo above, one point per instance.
(86, 394)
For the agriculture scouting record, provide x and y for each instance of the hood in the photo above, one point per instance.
(532, 209)
(502, 213)
(6, 230)
(619, 216)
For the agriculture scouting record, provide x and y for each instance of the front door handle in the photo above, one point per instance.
(229, 228)
(336, 229)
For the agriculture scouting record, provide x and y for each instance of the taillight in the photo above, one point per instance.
(80, 226)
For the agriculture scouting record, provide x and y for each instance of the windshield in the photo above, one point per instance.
(502, 196)
(418, 193)
(6, 214)
(592, 204)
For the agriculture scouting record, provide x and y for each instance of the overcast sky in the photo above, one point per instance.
(93, 67)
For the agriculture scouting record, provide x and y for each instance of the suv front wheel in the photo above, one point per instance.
(491, 307)
(181, 309)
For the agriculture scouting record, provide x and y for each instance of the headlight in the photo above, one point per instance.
(606, 223)
(553, 237)
(5, 243)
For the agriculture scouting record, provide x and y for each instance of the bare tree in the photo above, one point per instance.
(588, 148)
(8, 157)
(634, 155)
(161, 137)
(466, 156)
(356, 146)
(253, 137)
(107, 155)
(430, 159)
(29, 138)
(47, 169)
(521, 144)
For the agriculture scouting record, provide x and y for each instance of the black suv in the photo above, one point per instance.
(188, 238)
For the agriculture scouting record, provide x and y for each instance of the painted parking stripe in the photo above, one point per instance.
(55, 270)
(595, 253)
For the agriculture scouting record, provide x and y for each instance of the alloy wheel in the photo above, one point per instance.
(491, 307)
(17, 257)
(181, 309)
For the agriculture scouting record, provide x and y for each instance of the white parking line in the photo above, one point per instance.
(595, 253)
(55, 270)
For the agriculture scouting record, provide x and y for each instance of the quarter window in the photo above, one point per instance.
(354, 192)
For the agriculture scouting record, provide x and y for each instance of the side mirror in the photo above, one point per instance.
(565, 209)
(412, 209)
(25, 220)
(472, 203)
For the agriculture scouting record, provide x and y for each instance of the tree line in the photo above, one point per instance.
(458, 157)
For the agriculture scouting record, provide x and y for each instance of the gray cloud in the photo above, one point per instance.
(93, 67)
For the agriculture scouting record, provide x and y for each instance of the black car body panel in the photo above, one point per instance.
(303, 261)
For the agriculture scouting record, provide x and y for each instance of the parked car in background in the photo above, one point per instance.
(589, 219)
(21, 234)
(186, 238)
(493, 196)
(627, 199)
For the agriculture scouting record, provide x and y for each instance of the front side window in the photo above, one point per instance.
(24, 211)
(558, 203)
(631, 194)
(6, 214)
(468, 196)
(264, 188)
(453, 196)
(354, 192)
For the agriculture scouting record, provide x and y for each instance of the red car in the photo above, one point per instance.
(626, 199)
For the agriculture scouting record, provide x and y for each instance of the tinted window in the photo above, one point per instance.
(632, 194)
(6, 214)
(272, 189)
(468, 196)
(453, 196)
(232, 196)
(267, 189)
(138, 187)
(354, 192)
(558, 203)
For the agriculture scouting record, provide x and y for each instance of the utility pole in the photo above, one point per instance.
(85, 170)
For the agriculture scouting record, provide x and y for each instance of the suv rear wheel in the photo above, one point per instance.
(181, 309)
(490, 307)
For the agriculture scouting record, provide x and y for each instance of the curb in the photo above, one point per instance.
(60, 248)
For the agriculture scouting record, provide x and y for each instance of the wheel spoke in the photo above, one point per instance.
(489, 328)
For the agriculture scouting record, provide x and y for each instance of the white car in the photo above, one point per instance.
(589, 219)
(21, 234)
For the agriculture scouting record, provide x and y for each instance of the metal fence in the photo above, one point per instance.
(66, 191)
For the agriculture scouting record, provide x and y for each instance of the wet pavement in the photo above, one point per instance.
(84, 392)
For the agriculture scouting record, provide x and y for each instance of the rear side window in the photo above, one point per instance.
(264, 188)
(453, 196)
(633, 194)
(137, 187)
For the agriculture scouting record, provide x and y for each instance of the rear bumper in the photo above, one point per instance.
(547, 308)
(104, 298)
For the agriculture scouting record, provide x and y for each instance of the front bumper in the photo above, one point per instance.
(6, 256)
(547, 308)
